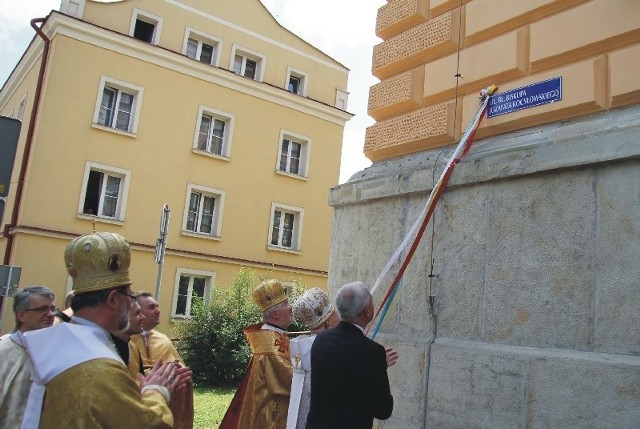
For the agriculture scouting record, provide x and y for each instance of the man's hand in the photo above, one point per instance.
(171, 375)
(392, 356)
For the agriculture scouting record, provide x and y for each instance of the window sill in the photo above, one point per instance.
(211, 155)
(102, 219)
(282, 249)
(179, 319)
(293, 176)
(198, 235)
(114, 130)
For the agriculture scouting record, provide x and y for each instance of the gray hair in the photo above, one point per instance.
(22, 298)
(266, 315)
(352, 299)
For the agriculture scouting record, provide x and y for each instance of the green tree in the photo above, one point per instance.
(212, 342)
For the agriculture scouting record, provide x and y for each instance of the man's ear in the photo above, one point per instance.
(112, 299)
(21, 316)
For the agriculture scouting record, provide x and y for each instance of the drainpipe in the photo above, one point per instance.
(27, 147)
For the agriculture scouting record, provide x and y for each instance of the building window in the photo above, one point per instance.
(293, 154)
(296, 81)
(145, 27)
(118, 105)
(247, 63)
(104, 192)
(191, 286)
(286, 227)
(214, 131)
(201, 47)
(203, 211)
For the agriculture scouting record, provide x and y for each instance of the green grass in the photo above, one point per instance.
(209, 405)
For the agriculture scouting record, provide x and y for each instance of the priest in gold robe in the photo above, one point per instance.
(79, 379)
(262, 399)
(33, 309)
(153, 346)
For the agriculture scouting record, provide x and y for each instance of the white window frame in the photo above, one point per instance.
(296, 238)
(260, 59)
(148, 18)
(342, 99)
(125, 181)
(302, 77)
(305, 154)
(218, 210)
(229, 120)
(201, 37)
(208, 289)
(65, 7)
(120, 86)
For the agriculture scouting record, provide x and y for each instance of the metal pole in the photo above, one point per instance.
(161, 246)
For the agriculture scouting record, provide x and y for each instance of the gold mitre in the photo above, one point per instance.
(268, 294)
(98, 261)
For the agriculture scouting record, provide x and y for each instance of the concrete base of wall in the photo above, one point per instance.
(535, 247)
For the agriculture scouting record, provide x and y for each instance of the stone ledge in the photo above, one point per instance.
(598, 138)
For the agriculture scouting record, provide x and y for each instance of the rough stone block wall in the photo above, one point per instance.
(509, 44)
(401, 93)
(397, 15)
(535, 252)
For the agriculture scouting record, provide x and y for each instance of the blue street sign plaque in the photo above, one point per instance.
(536, 94)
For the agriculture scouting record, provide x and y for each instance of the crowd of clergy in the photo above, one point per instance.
(99, 362)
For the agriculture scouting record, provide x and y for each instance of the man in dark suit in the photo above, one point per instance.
(349, 383)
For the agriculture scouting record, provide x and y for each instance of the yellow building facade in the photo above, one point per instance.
(212, 108)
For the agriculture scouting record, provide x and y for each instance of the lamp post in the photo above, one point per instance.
(161, 246)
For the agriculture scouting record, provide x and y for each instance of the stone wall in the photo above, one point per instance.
(535, 319)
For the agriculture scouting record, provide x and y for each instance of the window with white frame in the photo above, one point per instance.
(214, 131)
(247, 63)
(203, 211)
(145, 26)
(342, 98)
(104, 191)
(118, 105)
(201, 47)
(285, 227)
(293, 153)
(191, 286)
(296, 81)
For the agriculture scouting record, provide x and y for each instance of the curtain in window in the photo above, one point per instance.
(203, 134)
(237, 64)
(106, 106)
(275, 231)
(192, 48)
(287, 229)
(217, 137)
(124, 111)
(294, 165)
(206, 54)
(206, 224)
(192, 213)
(110, 199)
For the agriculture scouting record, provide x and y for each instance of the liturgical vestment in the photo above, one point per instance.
(87, 384)
(15, 381)
(154, 345)
(262, 399)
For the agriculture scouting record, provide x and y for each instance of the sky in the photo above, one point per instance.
(343, 29)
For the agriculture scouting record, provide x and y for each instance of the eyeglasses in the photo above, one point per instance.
(132, 296)
(44, 309)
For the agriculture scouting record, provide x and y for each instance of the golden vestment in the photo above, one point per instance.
(152, 346)
(262, 399)
(15, 382)
(100, 394)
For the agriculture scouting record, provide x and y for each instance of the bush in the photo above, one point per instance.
(212, 342)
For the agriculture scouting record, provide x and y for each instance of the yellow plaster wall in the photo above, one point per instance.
(594, 45)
